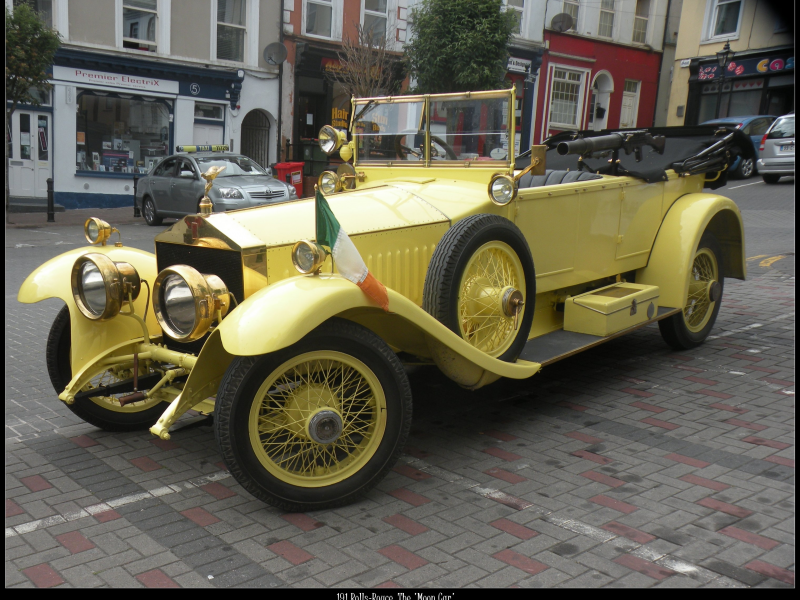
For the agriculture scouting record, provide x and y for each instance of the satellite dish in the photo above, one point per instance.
(275, 53)
(561, 22)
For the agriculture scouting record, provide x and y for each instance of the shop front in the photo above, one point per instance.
(591, 84)
(523, 67)
(114, 117)
(759, 82)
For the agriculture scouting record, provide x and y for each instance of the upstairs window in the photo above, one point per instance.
(231, 27)
(44, 8)
(723, 20)
(139, 19)
(640, 21)
(376, 14)
(571, 8)
(319, 18)
(518, 7)
(606, 27)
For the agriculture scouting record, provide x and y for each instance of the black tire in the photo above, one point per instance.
(237, 392)
(58, 367)
(746, 168)
(771, 179)
(149, 212)
(450, 259)
(674, 329)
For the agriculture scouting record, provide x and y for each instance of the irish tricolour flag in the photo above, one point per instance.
(345, 256)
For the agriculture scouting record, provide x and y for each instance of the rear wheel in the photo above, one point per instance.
(104, 412)
(149, 212)
(689, 328)
(746, 168)
(317, 424)
(770, 178)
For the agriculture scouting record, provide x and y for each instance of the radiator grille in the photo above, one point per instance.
(225, 264)
(266, 194)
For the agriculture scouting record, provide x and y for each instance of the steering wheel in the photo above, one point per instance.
(401, 149)
(448, 150)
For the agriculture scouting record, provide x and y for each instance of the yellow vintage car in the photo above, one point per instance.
(488, 265)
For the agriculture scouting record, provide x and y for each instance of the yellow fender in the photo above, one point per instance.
(90, 338)
(280, 315)
(676, 243)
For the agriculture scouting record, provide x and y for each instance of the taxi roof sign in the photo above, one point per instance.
(216, 148)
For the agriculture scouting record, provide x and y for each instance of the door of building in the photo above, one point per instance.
(29, 164)
(255, 137)
(630, 104)
(207, 134)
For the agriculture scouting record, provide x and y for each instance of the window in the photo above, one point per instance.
(230, 30)
(571, 8)
(207, 111)
(319, 18)
(139, 24)
(640, 21)
(564, 97)
(517, 6)
(186, 169)
(375, 18)
(606, 27)
(120, 134)
(723, 19)
(166, 168)
(44, 8)
(631, 86)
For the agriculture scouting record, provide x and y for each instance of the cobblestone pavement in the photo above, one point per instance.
(626, 466)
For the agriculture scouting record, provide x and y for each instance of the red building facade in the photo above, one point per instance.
(586, 83)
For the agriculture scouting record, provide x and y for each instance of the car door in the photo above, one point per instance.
(160, 183)
(186, 189)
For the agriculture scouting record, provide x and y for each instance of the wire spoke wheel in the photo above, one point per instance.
(699, 305)
(492, 270)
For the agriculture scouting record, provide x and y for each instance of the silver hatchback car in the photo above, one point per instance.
(777, 150)
(174, 188)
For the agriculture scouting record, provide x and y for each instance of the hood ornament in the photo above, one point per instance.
(209, 176)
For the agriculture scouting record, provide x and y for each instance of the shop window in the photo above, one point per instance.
(518, 7)
(564, 97)
(208, 111)
(231, 28)
(25, 136)
(139, 18)
(738, 103)
(723, 19)
(571, 8)
(375, 18)
(44, 8)
(120, 134)
(640, 21)
(319, 18)
(606, 27)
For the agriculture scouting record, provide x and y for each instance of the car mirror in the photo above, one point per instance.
(188, 175)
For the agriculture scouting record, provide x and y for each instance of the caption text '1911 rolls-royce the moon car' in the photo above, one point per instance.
(431, 242)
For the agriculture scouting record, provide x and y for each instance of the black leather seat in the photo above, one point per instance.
(552, 177)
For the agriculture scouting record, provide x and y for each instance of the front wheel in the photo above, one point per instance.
(689, 328)
(315, 425)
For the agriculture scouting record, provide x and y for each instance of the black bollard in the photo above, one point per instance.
(51, 209)
(136, 212)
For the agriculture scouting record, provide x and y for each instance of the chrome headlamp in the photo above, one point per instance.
(308, 257)
(186, 302)
(502, 189)
(330, 139)
(100, 286)
(329, 182)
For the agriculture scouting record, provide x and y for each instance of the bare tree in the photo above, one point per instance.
(366, 64)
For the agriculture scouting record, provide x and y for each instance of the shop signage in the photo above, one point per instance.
(194, 89)
(340, 118)
(518, 65)
(116, 80)
(748, 66)
(331, 64)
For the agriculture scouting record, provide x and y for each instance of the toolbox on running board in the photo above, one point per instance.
(611, 309)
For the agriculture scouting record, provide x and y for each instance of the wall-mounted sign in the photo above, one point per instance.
(754, 66)
(194, 89)
(135, 82)
(686, 62)
(518, 65)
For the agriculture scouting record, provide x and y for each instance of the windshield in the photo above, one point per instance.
(470, 129)
(390, 132)
(234, 165)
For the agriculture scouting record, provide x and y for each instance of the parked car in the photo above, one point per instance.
(291, 322)
(777, 150)
(174, 188)
(754, 127)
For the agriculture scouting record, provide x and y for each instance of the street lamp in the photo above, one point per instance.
(723, 56)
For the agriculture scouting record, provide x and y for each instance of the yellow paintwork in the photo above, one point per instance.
(91, 338)
(610, 309)
(676, 244)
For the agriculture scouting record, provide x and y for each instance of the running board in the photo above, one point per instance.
(554, 346)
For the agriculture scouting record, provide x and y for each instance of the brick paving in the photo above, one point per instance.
(569, 479)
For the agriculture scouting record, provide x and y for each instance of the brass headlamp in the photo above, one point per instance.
(308, 257)
(100, 286)
(187, 302)
(329, 182)
(331, 139)
(97, 231)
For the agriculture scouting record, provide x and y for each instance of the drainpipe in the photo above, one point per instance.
(279, 144)
(661, 67)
